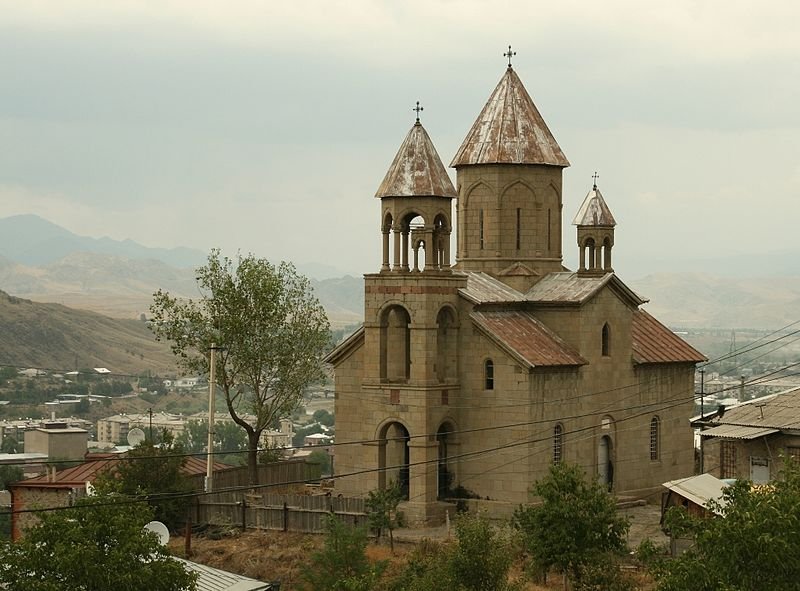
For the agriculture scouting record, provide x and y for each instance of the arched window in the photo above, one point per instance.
(606, 338)
(488, 375)
(655, 433)
(558, 443)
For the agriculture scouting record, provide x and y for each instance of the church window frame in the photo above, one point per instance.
(655, 439)
(519, 228)
(558, 443)
(488, 374)
(480, 229)
(605, 340)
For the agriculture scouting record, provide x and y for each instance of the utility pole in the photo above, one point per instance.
(702, 417)
(211, 407)
(150, 412)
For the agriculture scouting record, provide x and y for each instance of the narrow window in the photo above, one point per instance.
(558, 443)
(549, 246)
(606, 337)
(727, 452)
(480, 227)
(518, 227)
(488, 375)
(654, 438)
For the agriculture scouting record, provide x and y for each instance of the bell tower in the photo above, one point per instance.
(509, 170)
(411, 324)
(595, 233)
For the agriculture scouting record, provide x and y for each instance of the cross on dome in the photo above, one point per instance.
(509, 54)
(418, 109)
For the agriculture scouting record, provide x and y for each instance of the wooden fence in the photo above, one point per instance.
(283, 512)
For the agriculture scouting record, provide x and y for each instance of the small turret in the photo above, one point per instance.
(595, 233)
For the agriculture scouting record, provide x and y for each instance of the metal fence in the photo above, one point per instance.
(275, 511)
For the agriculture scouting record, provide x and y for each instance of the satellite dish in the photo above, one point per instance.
(160, 530)
(135, 436)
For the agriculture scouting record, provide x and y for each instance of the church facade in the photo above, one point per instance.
(479, 371)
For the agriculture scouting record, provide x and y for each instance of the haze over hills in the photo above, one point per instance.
(119, 282)
(54, 336)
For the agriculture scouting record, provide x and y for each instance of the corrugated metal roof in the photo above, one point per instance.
(699, 489)
(738, 432)
(215, 579)
(485, 289)
(778, 412)
(566, 288)
(510, 130)
(417, 170)
(530, 340)
(652, 342)
(594, 211)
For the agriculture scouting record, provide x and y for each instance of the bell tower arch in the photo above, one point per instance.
(595, 233)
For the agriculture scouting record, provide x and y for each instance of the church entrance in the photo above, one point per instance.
(605, 465)
(394, 457)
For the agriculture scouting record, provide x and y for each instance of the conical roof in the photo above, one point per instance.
(417, 170)
(510, 130)
(594, 211)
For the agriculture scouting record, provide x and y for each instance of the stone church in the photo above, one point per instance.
(480, 372)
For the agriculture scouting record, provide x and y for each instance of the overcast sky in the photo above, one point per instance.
(268, 126)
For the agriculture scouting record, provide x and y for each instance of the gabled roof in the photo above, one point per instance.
(652, 342)
(568, 288)
(594, 211)
(700, 489)
(484, 289)
(527, 339)
(417, 170)
(761, 416)
(346, 347)
(509, 130)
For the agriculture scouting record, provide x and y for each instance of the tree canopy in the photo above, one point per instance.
(752, 542)
(94, 546)
(271, 330)
(573, 526)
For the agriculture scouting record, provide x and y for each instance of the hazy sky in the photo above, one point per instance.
(268, 126)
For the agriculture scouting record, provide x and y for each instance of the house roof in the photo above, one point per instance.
(699, 489)
(215, 579)
(759, 417)
(526, 338)
(484, 289)
(417, 170)
(594, 211)
(652, 342)
(569, 288)
(88, 471)
(509, 130)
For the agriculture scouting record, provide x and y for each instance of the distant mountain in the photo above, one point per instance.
(31, 240)
(54, 336)
(700, 300)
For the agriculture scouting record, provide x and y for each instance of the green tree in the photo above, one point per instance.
(94, 546)
(382, 511)
(342, 564)
(9, 475)
(752, 543)
(152, 471)
(323, 417)
(479, 560)
(272, 330)
(321, 457)
(10, 445)
(576, 524)
(228, 437)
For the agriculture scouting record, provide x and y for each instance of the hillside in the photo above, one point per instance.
(54, 336)
(695, 300)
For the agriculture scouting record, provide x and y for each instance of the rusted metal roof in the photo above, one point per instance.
(769, 414)
(526, 338)
(485, 289)
(417, 170)
(653, 342)
(594, 211)
(510, 130)
(88, 471)
(343, 349)
(572, 288)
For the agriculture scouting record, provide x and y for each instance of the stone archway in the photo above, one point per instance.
(394, 457)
